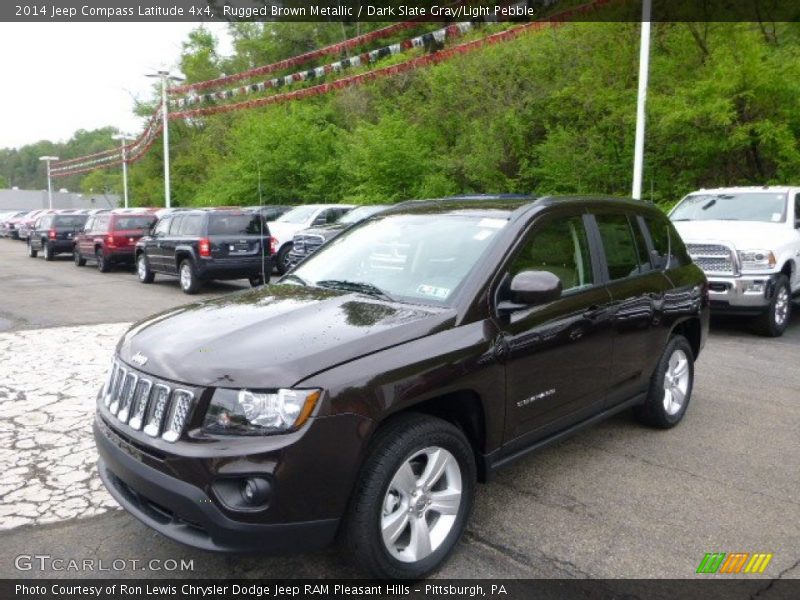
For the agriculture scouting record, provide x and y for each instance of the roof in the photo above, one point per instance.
(777, 189)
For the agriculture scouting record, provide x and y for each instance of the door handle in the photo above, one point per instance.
(593, 312)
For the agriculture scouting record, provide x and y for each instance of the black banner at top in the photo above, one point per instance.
(393, 10)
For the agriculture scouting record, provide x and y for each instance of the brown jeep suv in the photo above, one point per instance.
(364, 395)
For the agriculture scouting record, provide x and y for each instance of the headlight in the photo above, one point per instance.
(243, 412)
(756, 260)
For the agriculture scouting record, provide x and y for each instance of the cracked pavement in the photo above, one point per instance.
(614, 501)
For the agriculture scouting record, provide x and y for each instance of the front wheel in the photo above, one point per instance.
(670, 386)
(776, 319)
(31, 252)
(282, 259)
(190, 282)
(413, 498)
(143, 270)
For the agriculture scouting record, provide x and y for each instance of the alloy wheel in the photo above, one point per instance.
(782, 306)
(421, 504)
(676, 382)
(186, 276)
(141, 268)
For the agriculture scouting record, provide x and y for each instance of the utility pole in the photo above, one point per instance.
(122, 139)
(165, 77)
(48, 160)
(644, 69)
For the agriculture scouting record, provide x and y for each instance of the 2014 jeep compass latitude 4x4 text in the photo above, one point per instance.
(364, 394)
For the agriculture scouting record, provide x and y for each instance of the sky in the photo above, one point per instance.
(61, 77)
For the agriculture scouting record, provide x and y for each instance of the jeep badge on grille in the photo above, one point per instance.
(139, 358)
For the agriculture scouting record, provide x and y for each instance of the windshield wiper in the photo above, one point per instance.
(293, 277)
(355, 286)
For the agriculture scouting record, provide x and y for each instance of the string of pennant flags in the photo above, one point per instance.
(139, 147)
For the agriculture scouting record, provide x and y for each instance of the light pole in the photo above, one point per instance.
(122, 139)
(644, 68)
(165, 77)
(48, 160)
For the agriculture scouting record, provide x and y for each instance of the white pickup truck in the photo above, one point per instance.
(747, 240)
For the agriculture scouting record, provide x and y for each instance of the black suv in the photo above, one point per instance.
(368, 390)
(54, 233)
(200, 245)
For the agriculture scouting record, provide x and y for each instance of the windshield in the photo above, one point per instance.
(244, 224)
(768, 207)
(298, 215)
(418, 258)
(69, 220)
(359, 214)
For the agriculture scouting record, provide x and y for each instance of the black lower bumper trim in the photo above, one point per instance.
(185, 513)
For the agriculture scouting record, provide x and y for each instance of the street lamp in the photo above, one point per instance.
(48, 160)
(122, 139)
(165, 77)
(644, 69)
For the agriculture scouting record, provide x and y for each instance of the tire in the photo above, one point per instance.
(670, 386)
(31, 252)
(47, 251)
(282, 258)
(143, 270)
(256, 281)
(779, 312)
(76, 256)
(407, 445)
(103, 265)
(190, 282)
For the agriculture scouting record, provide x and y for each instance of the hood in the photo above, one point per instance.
(744, 235)
(274, 336)
(326, 232)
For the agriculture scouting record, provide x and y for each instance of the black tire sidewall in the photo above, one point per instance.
(653, 412)
(282, 258)
(148, 274)
(405, 438)
(771, 326)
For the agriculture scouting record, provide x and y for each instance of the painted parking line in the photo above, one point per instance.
(48, 383)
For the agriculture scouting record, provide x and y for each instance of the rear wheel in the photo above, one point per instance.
(413, 498)
(103, 265)
(143, 271)
(670, 386)
(776, 319)
(47, 251)
(282, 259)
(31, 252)
(256, 281)
(190, 282)
(76, 256)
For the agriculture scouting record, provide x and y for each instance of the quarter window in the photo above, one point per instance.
(560, 247)
(620, 246)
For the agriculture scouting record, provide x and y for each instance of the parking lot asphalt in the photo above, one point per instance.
(614, 501)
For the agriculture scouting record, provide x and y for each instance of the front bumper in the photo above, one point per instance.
(747, 294)
(186, 513)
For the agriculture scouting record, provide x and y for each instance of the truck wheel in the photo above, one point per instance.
(102, 264)
(670, 386)
(412, 499)
(282, 259)
(31, 252)
(776, 319)
(190, 282)
(47, 251)
(76, 256)
(143, 270)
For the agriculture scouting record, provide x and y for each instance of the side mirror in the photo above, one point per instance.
(529, 288)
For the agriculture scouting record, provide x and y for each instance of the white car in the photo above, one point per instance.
(747, 240)
(301, 217)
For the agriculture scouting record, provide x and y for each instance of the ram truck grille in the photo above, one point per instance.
(144, 403)
(714, 259)
(307, 244)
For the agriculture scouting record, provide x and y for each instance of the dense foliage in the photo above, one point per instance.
(550, 112)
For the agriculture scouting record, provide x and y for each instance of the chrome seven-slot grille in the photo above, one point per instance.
(142, 403)
(713, 258)
(307, 244)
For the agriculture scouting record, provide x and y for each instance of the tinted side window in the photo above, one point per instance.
(641, 246)
(162, 227)
(619, 245)
(101, 224)
(560, 247)
(668, 249)
(191, 225)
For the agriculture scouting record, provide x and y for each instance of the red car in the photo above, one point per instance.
(110, 238)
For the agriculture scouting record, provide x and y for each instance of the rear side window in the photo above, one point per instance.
(668, 249)
(243, 224)
(191, 225)
(560, 247)
(100, 224)
(136, 222)
(619, 244)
